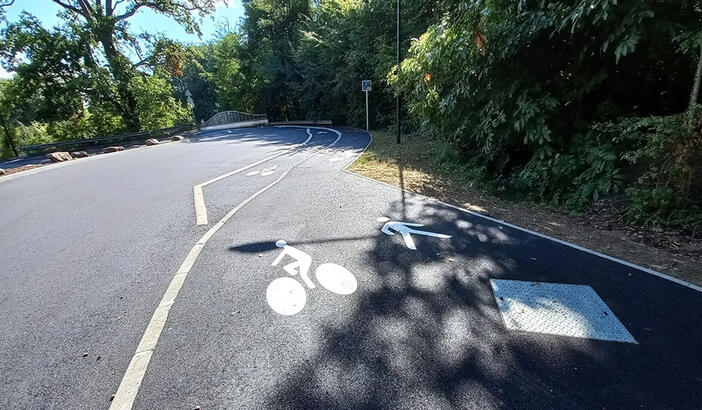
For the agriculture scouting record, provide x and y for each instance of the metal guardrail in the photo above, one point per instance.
(86, 143)
(232, 117)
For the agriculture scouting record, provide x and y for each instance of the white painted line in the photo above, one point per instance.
(572, 245)
(345, 168)
(200, 209)
(129, 386)
(128, 389)
(199, 197)
(193, 254)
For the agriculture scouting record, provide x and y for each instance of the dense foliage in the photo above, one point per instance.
(90, 75)
(560, 101)
(566, 101)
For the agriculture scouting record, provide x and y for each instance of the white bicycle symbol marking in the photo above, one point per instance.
(287, 296)
(264, 172)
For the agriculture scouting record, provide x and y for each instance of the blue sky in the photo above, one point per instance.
(144, 20)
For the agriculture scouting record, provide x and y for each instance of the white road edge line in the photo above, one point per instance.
(199, 197)
(519, 228)
(129, 386)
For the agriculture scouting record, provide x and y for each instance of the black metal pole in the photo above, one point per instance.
(397, 109)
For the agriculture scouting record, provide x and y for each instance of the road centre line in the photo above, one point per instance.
(199, 197)
(129, 386)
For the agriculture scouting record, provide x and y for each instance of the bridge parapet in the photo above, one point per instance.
(234, 119)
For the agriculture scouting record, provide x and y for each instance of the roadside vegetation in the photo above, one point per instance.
(436, 173)
(567, 103)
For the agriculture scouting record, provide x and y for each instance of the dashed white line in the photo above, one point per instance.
(129, 386)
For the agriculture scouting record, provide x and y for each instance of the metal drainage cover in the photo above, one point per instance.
(557, 309)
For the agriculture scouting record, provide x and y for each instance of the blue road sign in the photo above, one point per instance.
(366, 85)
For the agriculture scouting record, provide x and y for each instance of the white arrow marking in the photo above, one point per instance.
(404, 229)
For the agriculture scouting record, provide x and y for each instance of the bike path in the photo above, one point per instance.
(423, 327)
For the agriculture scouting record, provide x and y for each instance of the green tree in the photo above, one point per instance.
(7, 114)
(517, 85)
(106, 21)
(198, 63)
(156, 105)
(231, 86)
(270, 31)
(347, 41)
(59, 67)
(58, 81)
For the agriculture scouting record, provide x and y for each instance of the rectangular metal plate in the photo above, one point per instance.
(557, 309)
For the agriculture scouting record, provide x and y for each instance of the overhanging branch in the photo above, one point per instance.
(71, 8)
(130, 12)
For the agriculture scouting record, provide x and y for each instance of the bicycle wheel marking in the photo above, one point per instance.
(286, 296)
(336, 278)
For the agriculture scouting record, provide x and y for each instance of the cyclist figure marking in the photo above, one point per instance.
(287, 296)
(302, 264)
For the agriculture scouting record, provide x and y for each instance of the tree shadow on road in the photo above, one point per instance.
(264, 246)
(426, 333)
(262, 135)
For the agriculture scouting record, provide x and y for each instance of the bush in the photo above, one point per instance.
(546, 98)
(71, 129)
(664, 155)
(33, 134)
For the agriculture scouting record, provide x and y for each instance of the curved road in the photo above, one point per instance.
(108, 285)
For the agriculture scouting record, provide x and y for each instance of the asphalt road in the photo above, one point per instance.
(95, 255)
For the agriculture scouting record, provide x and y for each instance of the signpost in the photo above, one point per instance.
(191, 103)
(366, 86)
(399, 64)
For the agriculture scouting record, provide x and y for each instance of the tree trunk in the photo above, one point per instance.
(8, 136)
(696, 87)
(122, 71)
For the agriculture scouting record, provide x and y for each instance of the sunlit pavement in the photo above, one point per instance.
(304, 291)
